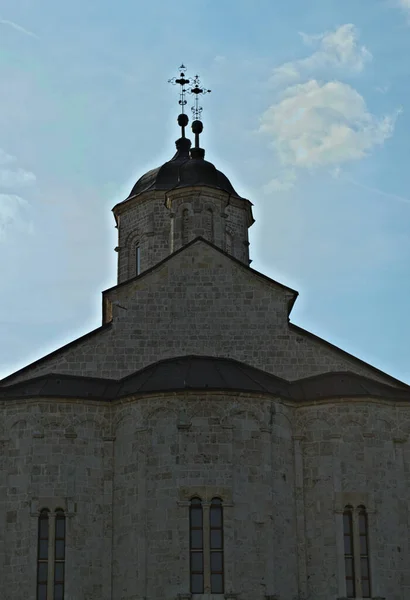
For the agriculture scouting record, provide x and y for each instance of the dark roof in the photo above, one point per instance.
(206, 374)
(181, 171)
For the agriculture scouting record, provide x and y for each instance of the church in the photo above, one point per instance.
(198, 445)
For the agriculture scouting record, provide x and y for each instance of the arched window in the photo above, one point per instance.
(364, 553)
(196, 546)
(185, 226)
(59, 555)
(137, 260)
(216, 546)
(209, 224)
(356, 549)
(51, 555)
(42, 555)
(349, 552)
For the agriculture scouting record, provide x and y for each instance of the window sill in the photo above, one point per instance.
(372, 598)
(210, 596)
(221, 596)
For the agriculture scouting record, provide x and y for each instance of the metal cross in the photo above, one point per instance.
(197, 91)
(182, 82)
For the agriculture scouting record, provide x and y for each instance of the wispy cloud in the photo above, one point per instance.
(316, 124)
(405, 4)
(337, 49)
(18, 28)
(12, 205)
(13, 215)
(373, 190)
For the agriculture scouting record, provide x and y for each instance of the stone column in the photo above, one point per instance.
(3, 498)
(371, 520)
(339, 533)
(268, 530)
(108, 508)
(300, 516)
(51, 538)
(230, 556)
(206, 548)
(142, 567)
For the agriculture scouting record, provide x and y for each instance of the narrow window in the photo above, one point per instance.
(364, 553)
(209, 224)
(216, 546)
(42, 555)
(137, 260)
(185, 226)
(59, 555)
(349, 555)
(196, 547)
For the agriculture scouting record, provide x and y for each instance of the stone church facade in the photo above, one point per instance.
(198, 445)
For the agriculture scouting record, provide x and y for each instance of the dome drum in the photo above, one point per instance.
(185, 198)
(209, 214)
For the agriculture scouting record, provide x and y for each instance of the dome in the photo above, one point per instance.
(185, 169)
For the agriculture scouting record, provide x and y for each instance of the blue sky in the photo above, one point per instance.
(309, 117)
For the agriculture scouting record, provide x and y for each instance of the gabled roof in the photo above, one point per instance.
(54, 353)
(203, 373)
(295, 328)
(293, 292)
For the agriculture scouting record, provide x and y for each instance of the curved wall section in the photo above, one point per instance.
(159, 223)
(213, 215)
(124, 474)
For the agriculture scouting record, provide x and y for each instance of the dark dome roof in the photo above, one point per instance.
(208, 373)
(183, 170)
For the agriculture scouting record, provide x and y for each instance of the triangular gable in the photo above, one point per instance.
(294, 294)
(246, 320)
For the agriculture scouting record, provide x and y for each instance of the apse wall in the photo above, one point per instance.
(169, 449)
(55, 454)
(124, 474)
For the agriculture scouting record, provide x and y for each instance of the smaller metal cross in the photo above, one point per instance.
(197, 91)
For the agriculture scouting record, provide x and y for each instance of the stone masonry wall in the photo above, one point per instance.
(54, 455)
(154, 222)
(213, 215)
(124, 474)
(144, 222)
(199, 302)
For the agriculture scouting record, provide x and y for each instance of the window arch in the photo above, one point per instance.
(196, 546)
(133, 246)
(51, 554)
(209, 224)
(59, 554)
(216, 546)
(185, 226)
(42, 554)
(137, 259)
(349, 552)
(364, 552)
(356, 551)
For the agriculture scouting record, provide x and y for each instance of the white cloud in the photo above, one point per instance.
(12, 206)
(5, 159)
(12, 214)
(15, 178)
(405, 4)
(316, 124)
(17, 27)
(337, 49)
(283, 183)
